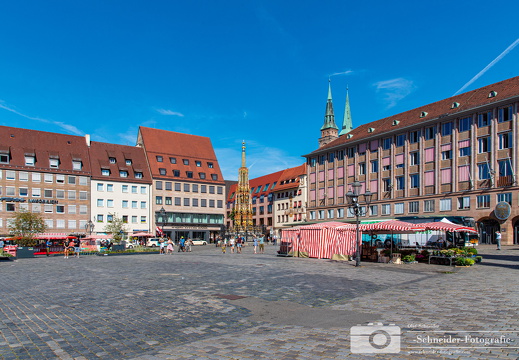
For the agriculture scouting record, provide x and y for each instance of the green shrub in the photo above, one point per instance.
(463, 261)
(472, 251)
(409, 258)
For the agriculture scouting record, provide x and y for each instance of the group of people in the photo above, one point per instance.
(73, 246)
(238, 243)
(167, 246)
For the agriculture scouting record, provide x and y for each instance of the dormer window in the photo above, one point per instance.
(123, 173)
(210, 165)
(128, 162)
(138, 175)
(173, 160)
(198, 163)
(77, 165)
(162, 171)
(423, 114)
(492, 94)
(185, 161)
(4, 158)
(370, 130)
(112, 160)
(215, 177)
(396, 122)
(159, 158)
(455, 105)
(105, 172)
(349, 136)
(54, 163)
(29, 160)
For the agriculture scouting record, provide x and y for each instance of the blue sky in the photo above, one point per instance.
(242, 70)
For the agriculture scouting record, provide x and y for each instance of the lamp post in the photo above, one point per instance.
(163, 218)
(352, 198)
(89, 226)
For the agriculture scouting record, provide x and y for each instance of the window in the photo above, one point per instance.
(484, 119)
(428, 206)
(505, 114)
(484, 144)
(11, 175)
(159, 158)
(72, 194)
(187, 202)
(125, 219)
(105, 172)
(173, 160)
(134, 219)
(373, 210)
(483, 201)
(203, 202)
(464, 124)
(331, 158)
(128, 162)
(447, 129)
(414, 158)
(178, 201)
(168, 200)
(198, 163)
(483, 171)
(178, 186)
(47, 193)
(143, 204)
(100, 187)
(415, 181)
(112, 160)
(386, 184)
(48, 208)
(189, 174)
(351, 152)
(195, 188)
(414, 136)
(24, 192)
(505, 167)
(143, 189)
(24, 176)
(464, 203)
(158, 200)
(134, 189)
(194, 203)
(4, 159)
(374, 166)
(125, 188)
(464, 151)
(60, 194)
(100, 218)
(447, 155)
(83, 209)
(340, 155)
(77, 165)
(506, 197)
(386, 209)
(400, 140)
(400, 183)
(505, 140)
(9, 207)
(176, 173)
(138, 175)
(214, 177)
(36, 177)
(36, 192)
(10, 191)
(29, 160)
(54, 163)
(203, 188)
(100, 203)
(162, 171)
(399, 208)
(445, 204)
(362, 168)
(48, 178)
(125, 204)
(386, 143)
(185, 161)
(83, 195)
(430, 133)
(123, 173)
(201, 175)
(134, 205)
(143, 219)
(210, 165)
(219, 190)
(414, 207)
(330, 214)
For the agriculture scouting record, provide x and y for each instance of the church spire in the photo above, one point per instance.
(347, 124)
(329, 130)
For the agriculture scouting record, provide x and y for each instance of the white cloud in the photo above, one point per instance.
(67, 127)
(394, 90)
(347, 72)
(169, 112)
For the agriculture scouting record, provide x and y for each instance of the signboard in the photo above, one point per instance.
(502, 210)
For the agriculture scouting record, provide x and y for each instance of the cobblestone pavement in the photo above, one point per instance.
(209, 305)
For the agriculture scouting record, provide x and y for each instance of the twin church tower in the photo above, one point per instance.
(329, 130)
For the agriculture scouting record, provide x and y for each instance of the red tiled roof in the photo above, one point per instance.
(289, 175)
(506, 89)
(259, 182)
(180, 146)
(99, 158)
(43, 146)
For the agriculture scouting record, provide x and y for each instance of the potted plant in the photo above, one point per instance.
(409, 259)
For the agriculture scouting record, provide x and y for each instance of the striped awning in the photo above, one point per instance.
(443, 226)
(53, 236)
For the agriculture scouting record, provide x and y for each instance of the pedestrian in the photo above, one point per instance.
(239, 244)
(162, 246)
(65, 249)
(182, 244)
(255, 243)
(233, 242)
(224, 246)
(274, 240)
(498, 240)
(189, 243)
(170, 247)
(77, 247)
(262, 244)
(48, 244)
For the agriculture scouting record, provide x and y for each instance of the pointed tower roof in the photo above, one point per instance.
(329, 117)
(347, 124)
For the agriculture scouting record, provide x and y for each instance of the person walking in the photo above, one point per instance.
(182, 244)
(169, 249)
(48, 244)
(189, 243)
(262, 244)
(239, 244)
(233, 241)
(77, 247)
(255, 244)
(162, 246)
(498, 240)
(224, 245)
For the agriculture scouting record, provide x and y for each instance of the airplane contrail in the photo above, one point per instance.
(502, 55)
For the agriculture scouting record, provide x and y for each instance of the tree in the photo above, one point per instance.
(25, 225)
(116, 228)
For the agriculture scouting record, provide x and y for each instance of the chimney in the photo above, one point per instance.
(87, 138)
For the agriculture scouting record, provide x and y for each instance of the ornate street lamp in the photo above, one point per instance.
(352, 199)
(163, 218)
(89, 226)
